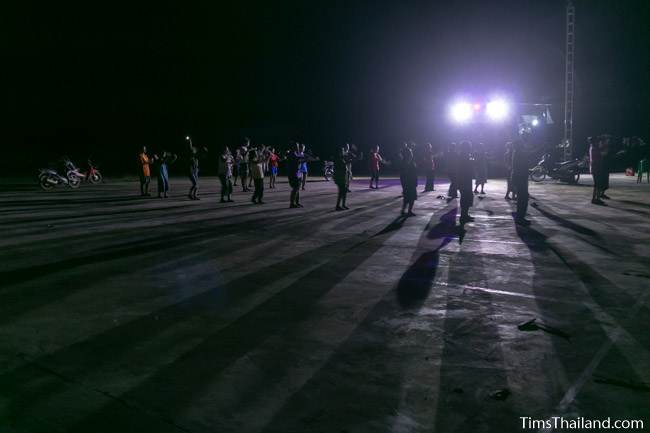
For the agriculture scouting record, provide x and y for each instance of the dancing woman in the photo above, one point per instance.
(375, 164)
(194, 155)
(257, 174)
(294, 159)
(274, 162)
(145, 172)
(163, 172)
(224, 170)
(341, 178)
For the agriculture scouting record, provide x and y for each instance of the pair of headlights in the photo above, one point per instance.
(496, 110)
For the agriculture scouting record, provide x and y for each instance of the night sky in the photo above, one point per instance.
(103, 78)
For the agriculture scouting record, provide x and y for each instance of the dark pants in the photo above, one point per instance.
(522, 199)
(510, 187)
(226, 186)
(194, 179)
(243, 174)
(409, 191)
(342, 193)
(374, 177)
(453, 187)
(144, 184)
(430, 180)
(258, 194)
(599, 182)
(294, 183)
(466, 200)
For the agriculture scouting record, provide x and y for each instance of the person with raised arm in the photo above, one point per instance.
(194, 154)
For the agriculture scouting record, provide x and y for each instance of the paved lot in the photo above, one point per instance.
(122, 314)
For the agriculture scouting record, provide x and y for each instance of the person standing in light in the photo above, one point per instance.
(375, 164)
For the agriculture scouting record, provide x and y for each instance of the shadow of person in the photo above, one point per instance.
(415, 284)
(534, 240)
(394, 225)
(447, 229)
(564, 222)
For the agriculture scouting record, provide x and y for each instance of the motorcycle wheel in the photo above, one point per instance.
(44, 183)
(74, 181)
(575, 177)
(96, 177)
(538, 174)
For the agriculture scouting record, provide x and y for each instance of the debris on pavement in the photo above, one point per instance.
(500, 394)
(533, 325)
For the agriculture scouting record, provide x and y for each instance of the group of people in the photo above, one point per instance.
(466, 162)
(243, 164)
(249, 163)
(161, 163)
(466, 167)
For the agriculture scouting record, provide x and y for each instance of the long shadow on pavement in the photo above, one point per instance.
(118, 342)
(585, 330)
(192, 372)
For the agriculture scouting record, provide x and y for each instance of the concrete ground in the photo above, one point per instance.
(123, 314)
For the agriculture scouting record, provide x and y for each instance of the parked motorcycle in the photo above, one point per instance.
(328, 170)
(72, 173)
(91, 175)
(566, 171)
(48, 179)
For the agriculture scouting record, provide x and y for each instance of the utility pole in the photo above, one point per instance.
(567, 142)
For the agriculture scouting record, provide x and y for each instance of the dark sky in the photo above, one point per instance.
(102, 78)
